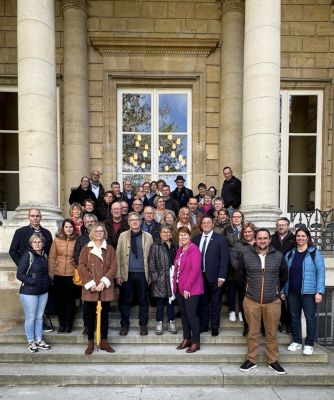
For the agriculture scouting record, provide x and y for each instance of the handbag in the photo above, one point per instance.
(76, 277)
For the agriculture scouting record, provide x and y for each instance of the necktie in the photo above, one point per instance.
(203, 252)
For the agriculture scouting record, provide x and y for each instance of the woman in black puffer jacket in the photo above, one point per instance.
(33, 273)
(160, 261)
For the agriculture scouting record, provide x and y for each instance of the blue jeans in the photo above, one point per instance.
(33, 307)
(297, 303)
(161, 302)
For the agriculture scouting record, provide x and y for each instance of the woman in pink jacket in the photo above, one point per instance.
(188, 287)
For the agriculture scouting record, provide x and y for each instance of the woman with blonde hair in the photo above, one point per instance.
(97, 269)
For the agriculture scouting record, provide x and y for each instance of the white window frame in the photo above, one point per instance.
(154, 92)
(285, 135)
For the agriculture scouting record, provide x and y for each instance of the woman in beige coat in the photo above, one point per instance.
(61, 265)
(97, 270)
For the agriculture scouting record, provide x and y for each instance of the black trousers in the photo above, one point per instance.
(210, 305)
(135, 285)
(65, 293)
(91, 318)
(189, 317)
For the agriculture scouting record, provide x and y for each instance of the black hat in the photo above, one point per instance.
(179, 178)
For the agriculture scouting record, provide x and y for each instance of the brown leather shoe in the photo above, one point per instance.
(124, 331)
(90, 347)
(194, 347)
(143, 330)
(184, 344)
(106, 346)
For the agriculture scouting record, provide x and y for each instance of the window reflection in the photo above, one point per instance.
(301, 193)
(302, 154)
(136, 116)
(172, 153)
(136, 153)
(173, 112)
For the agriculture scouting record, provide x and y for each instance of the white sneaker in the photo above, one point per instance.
(294, 346)
(240, 317)
(172, 327)
(308, 350)
(159, 328)
(232, 317)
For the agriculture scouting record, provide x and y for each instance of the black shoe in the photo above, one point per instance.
(215, 332)
(178, 314)
(247, 366)
(288, 329)
(85, 331)
(68, 330)
(124, 330)
(283, 328)
(47, 327)
(276, 367)
(61, 329)
(143, 330)
(205, 329)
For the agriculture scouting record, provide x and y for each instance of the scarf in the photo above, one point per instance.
(134, 236)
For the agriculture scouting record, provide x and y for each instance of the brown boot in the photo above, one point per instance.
(106, 346)
(90, 347)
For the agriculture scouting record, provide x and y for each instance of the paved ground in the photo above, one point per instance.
(172, 393)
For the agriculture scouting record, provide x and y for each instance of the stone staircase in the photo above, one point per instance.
(153, 360)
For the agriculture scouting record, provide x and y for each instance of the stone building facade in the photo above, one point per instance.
(258, 75)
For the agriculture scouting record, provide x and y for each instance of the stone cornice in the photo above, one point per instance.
(232, 5)
(82, 4)
(154, 46)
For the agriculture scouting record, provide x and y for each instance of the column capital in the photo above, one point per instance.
(232, 5)
(81, 4)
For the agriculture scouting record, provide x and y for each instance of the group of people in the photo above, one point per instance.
(176, 247)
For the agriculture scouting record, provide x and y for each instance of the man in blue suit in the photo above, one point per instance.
(215, 261)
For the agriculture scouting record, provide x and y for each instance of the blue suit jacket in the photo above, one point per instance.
(216, 257)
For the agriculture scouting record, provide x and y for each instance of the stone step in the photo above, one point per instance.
(203, 375)
(226, 336)
(149, 353)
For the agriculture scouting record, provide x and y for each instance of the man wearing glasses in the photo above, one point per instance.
(132, 273)
(20, 242)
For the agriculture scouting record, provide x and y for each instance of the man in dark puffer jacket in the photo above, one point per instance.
(262, 271)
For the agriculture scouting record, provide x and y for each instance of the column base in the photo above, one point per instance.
(262, 215)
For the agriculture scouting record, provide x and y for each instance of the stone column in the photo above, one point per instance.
(261, 103)
(232, 55)
(76, 110)
(37, 108)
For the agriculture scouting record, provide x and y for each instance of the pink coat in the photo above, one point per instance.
(190, 275)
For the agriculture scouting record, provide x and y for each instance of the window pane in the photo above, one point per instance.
(303, 114)
(8, 111)
(136, 112)
(136, 153)
(9, 152)
(172, 153)
(137, 179)
(9, 190)
(170, 180)
(301, 193)
(302, 154)
(173, 112)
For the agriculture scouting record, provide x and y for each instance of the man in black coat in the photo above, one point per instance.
(284, 240)
(181, 193)
(20, 241)
(215, 260)
(231, 190)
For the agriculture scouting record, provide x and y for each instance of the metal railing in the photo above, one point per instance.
(325, 319)
(3, 209)
(319, 223)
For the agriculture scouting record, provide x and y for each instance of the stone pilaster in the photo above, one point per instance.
(37, 108)
(233, 18)
(76, 109)
(261, 102)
